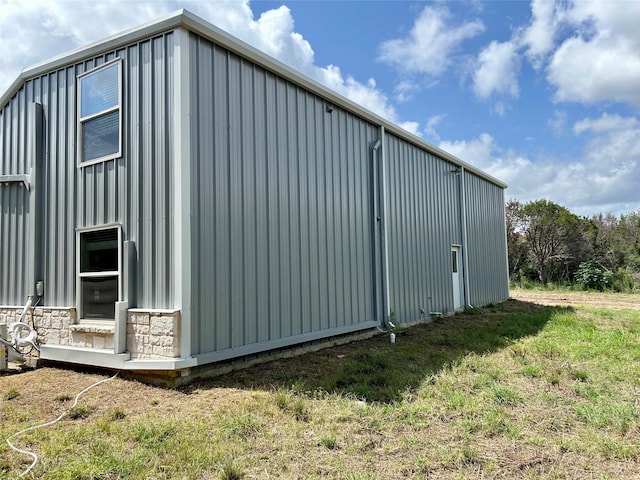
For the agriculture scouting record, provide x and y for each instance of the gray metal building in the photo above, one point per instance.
(171, 197)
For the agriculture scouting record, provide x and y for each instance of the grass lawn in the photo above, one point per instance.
(516, 390)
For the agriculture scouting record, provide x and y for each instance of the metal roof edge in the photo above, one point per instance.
(206, 29)
(186, 19)
(160, 24)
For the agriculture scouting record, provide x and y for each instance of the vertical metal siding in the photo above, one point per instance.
(488, 278)
(281, 207)
(284, 241)
(423, 222)
(134, 190)
(14, 202)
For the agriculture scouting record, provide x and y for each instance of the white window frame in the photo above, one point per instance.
(80, 275)
(81, 120)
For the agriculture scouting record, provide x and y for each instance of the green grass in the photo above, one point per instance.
(515, 390)
(11, 394)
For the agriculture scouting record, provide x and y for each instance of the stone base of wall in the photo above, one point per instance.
(153, 334)
(150, 333)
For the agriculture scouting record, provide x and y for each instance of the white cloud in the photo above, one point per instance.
(497, 72)
(604, 178)
(405, 90)
(429, 46)
(606, 123)
(601, 61)
(31, 32)
(412, 127)
(432, 123)
(598, 60)
(365, 94)
(538, 37)
(558, 122)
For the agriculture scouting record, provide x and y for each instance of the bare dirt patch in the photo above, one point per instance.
(608, 300)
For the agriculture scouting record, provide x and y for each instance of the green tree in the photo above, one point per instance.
(516, 243)
(627, 241)
(555, 239)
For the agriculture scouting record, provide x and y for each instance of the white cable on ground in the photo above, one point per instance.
(48, 424)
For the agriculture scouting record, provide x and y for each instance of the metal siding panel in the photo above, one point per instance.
(282, 136)
(278, 217)
(273, 214)
(203, 104)
(303, 215)
(350, 262)
(132, 149)
(339, 192)
(14, 198)
(313, 114)
(236, 234)
(330, 218)
(161, 188)
(487, 241)
(323, 320)
(392, 223)
(262, 206)
(146, 193)
(98, 194)
(249, 311)
(135, 190)
(424, 221)
(296, 284)
(222, 207)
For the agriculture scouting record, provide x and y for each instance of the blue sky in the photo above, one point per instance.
(543, 95)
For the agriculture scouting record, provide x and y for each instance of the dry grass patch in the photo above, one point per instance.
(516, 390)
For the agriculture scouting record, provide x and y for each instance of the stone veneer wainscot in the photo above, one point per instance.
(150, 333)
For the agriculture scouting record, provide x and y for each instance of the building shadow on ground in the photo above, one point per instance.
(376, 370)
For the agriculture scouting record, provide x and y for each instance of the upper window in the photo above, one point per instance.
(99, 119)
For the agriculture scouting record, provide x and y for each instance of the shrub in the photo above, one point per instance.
(625, 281)
(592, 275)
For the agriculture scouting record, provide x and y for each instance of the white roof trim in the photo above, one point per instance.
(189, 21)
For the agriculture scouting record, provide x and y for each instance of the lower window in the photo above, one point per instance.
(99, 297)
(99, 273)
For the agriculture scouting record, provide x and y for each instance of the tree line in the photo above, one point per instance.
(548, 243)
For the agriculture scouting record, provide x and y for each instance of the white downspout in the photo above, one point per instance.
(379, 185)
(385, 251)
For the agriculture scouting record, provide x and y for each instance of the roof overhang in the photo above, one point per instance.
(189, 21)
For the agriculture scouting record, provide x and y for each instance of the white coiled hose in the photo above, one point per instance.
(16, 332)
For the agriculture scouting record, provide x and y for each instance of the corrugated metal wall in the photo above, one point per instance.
(134, 190)
(486, 239)
(14, 231)
(284, 196)
(14, 202)
(281, 207)
(423, 221)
